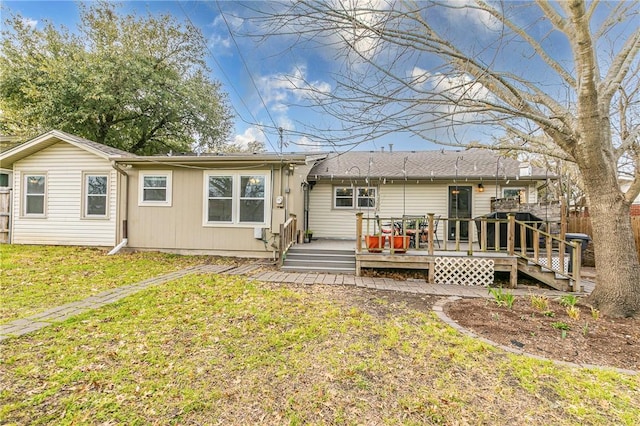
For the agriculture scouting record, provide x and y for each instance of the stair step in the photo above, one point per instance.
(314, 269)
(301, 259)
(325, 257)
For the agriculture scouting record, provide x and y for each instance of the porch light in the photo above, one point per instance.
(480, 187)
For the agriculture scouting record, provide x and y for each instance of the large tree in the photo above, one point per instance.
(140, 84)
(555, 78)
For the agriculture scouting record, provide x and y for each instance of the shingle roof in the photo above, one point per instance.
(441, 164)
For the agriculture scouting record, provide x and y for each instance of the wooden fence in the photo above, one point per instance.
(5, 214)
(582, 225)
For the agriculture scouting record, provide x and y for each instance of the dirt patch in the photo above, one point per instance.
(551, 332)
(589, 339)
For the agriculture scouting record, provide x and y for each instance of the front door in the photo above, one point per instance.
(459, 207)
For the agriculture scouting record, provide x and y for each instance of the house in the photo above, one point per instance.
(226, 204)
(65, 191)
(71, 191)
(394, 184)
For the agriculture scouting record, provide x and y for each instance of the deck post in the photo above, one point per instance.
(513, 275)
(359, 232)
(483, 234)
(511, 232)
(431, 234)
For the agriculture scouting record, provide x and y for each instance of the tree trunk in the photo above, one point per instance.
(617, 291)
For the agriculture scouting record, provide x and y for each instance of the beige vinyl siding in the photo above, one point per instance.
(394, 200)
(63, 224)
(327, 222)
(180, 227)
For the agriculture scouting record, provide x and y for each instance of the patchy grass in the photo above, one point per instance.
(217, 349)
(34, 278)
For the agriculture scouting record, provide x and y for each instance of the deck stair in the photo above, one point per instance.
(301, 259)
(544, 275)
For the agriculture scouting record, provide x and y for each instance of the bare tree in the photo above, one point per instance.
(555, 78)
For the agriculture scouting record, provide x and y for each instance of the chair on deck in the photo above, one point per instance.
(424, 231)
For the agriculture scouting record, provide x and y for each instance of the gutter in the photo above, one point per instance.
(125, 239)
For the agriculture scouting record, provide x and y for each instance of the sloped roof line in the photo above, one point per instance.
(45, 140)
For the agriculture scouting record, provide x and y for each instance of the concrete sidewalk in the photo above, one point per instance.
(416, 286)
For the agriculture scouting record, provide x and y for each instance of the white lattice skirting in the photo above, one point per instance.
(464, 271)
(555, 262)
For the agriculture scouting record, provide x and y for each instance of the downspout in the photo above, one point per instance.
(125, 240)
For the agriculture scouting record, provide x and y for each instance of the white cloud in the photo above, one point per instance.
(456, 94)
(306, 144)
(368, 12)
(28, 22)
(216, 41)
(250, 134)
(466, 11)
(280, 89)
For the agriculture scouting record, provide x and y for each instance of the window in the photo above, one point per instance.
(236, 198)
(220, 203)
(518, 193)
(34, 194)
(252, 199)
(155, 189)
(4, 179)
(96, 195)
(346, 197)
(343, 198)
(366, 198)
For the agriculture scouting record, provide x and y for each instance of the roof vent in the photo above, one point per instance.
(525, 168)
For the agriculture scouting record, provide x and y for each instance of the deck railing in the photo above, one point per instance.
(523, 239)
(288, 237)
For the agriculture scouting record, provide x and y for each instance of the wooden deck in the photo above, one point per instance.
(417, 259)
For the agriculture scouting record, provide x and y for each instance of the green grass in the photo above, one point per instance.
(33, 278)
(213, 349)
(217, 349)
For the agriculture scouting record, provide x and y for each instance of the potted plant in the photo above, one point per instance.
(308, 234)
(400, 243)
(375, 243)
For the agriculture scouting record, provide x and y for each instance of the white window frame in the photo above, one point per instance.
(25, 194)
(355, 197)
(86, 195)
(236, 198)
(168, 175)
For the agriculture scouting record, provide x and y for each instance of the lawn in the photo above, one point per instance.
(213, 349)
(34, 278)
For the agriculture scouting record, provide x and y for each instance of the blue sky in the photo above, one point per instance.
(243, 67)
(251, 72)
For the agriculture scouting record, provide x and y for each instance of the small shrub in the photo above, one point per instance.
(569, 300)
(573, 312)
(550, 314)
(595, 313)
(540, 302)
(502, 298)
(559, 325)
